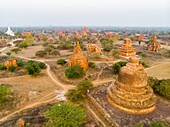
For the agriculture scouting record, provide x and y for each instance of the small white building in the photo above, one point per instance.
(10, 32)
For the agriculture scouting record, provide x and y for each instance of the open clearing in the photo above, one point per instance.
(161, 71)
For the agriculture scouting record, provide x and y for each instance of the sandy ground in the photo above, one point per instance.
(34, 88)
(160, 71)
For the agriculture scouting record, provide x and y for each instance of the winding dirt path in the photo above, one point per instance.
(58, 95)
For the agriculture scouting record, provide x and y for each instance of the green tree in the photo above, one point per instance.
(32, 68)
(85, 85)
(61, 61)
(16, 50)
(41, 65)
(8, 53)
(41, 53)
(117, 66)
(92, 65)
(74, 72)
(20, 63)
(65, 115)
(4, 94)
(12, 68)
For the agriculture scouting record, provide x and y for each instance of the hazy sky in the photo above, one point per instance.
(85, 12)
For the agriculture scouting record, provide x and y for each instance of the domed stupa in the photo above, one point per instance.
(130, 92)
(78, 58)
(127, 49)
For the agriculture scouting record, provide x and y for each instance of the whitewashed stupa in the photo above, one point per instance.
(10, 32)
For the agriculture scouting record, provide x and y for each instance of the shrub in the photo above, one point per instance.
(32, 68)
(8, 53)
(115, 52)
(41, 53)
(74, 72)
(117, 66)
(65, 115)
(2, 67)
(83, 86)
(163, 88)
(74, 95)
(45, 44)
(41, 65)
(23, 44)
(54, 52)
(164, 52)
(61, 61)
(141, 54)
(108, 48)
(92, 65)
(144, 64)
(160, 124)
(20, 63)
(16, 50)
(4, 94)
(12, 68)
(78, 94)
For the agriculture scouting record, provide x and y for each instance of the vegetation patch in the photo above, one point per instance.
(74, 72)
(65, 115)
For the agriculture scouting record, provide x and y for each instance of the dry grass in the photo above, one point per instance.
(160, 71)
(33, 88)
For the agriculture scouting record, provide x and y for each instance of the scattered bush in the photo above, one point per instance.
(45, 44)
(164, 52)
(8, 53)
(83, 86)
(54, 52)
(74, 72)
(41, 65)
(162, 87)
(74, 95)
(66, 45)
(61, 61)
(142, 54)
(12, 68)
(92, 65)
(160, 124)
(108, 48)
(117, 66)
(16, 50)
(2, 67)
(144, 64)
(32, 68)
(23, 44)
(20, 63)
(41, 53)
(78, 94)
(115, 52)
(4, 94)
(65, 115)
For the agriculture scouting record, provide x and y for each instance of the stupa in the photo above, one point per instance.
(9, 63)
(92, 48)
(127, 49)
(3, 40)
(78, 58)
(10, 32)
(154, 45)
(130, 92)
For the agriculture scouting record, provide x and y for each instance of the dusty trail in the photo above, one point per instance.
(51, 97)
(57, 95)
(96, 117)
